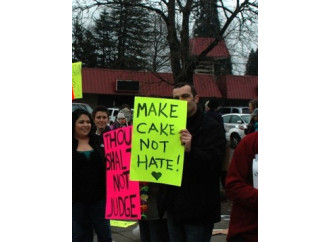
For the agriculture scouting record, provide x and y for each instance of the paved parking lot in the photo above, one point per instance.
(131, 233)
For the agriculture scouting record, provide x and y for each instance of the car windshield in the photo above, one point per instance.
(89, 109)
(82, 106)
(246, 118)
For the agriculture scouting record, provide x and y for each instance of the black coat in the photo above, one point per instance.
(88, 175)
(250, 127)
(198, 198)
(216, 116)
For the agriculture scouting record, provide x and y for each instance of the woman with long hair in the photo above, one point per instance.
(88, 182)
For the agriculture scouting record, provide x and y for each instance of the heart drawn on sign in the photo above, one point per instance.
(156, 175)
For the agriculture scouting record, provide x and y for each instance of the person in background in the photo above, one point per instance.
(112, 125)
(121, 121)
(88, 181)
(124, 117)
(243, 225)
(206, 106)
(193, 208)
(210, 107)
(127, 111)
(101, 121)
(255, 117)
(253, 104)
(152, 227)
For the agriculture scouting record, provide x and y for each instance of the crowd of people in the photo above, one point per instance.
(175, 214)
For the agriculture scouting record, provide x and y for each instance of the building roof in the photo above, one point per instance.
(198, 44)
(238, 87)
(103, 81)
(206, 86)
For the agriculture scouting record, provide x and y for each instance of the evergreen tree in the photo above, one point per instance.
(130, 29)
(83, 47)
(77, 40)
(207, 24)
(252, 64)
(103, 36)
(89, 47)
(240, 17)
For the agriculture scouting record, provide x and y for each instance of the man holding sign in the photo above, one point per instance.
(194, 207)
(157, 158)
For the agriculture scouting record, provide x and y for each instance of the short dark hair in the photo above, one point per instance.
(125, 106)
(181, 84)
(100, 108)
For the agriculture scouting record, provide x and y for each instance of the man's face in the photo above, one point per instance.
(101, 120)
(184, 93)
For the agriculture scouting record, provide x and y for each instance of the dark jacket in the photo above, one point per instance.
(216, 116)
(88, 175)
(198, 198)
(250, 127)
(99, 137)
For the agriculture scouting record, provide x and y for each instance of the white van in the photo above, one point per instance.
(226, 110)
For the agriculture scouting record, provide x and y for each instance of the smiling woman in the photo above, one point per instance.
(82, 127)
(88, 181)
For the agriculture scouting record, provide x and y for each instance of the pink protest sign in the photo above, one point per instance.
(123, 195)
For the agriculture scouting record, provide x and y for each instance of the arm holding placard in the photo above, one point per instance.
(185, 138)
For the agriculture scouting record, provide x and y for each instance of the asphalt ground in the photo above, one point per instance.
(131, 233)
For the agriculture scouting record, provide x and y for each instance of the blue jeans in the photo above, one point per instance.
(186, 232)
(153, 230)
(85, 217)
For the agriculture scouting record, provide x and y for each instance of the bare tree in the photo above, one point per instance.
(158, 51)
(179, 16)
(241, 37)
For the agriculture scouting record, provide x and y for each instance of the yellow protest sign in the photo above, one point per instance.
(157, 154)
(76, 80)
(121, 224)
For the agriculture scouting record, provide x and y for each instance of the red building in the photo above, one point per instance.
(116, 87)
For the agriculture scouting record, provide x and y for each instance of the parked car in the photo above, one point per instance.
(82, 106)
(226, 110)
(235, 124)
